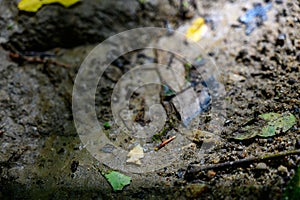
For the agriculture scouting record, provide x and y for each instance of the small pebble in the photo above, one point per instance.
(282, 169)
(211, 174)
(261, 166)
(262, 141)
(216, 160)
(291, 81)
(297, 145)
(270, 140)
(240, 147)
(291, 163)
(280, 147)
(280, 40)
(298, 59)
(278, 1)
(180, 173)
(292, 172)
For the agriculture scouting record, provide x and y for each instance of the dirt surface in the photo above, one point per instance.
(43, 157)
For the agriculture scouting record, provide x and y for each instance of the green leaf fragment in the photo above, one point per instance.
(246, 135)
(267, 125)
(117, 180)
(270, 116)
(106, 125)
(267, 131)
(277, 123)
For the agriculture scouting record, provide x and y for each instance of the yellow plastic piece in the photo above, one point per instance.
(35, 5)
(66, 3)
(30, 5)
(196, 31)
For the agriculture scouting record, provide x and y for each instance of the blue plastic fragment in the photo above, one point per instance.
(204, 103)
(255, 17)
(204, 100)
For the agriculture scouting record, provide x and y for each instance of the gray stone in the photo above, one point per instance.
(89, 21)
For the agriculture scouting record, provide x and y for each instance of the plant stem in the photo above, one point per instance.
(193, 170)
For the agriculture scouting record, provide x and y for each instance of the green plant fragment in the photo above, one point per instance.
(266, 125)
(106, 125)
(277, 123)
(117, 180)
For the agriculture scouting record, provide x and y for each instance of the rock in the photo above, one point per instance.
(280, 40)
(86, 22)
(236, 78)
(211, 173)
(113, 73)
(216, 160)
(261, 166)
(283, 170)
(192, 146)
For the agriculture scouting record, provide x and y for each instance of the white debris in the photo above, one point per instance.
(135, 155)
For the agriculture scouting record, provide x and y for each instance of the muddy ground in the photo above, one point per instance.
(40, 147)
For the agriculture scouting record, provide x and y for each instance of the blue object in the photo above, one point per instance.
(204, 99)
(204, 103)
(168, 91)
(255, 17)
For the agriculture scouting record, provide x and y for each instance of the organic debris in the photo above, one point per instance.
(135, 155)
(197, 30)
(255, 17)
(35, 5)
(106, 125)
(117, 180)
(20, 58)
(164, 143)
(273, 123)
(194, 169)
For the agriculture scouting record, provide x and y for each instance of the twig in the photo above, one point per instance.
(21, 58)
(193, 170)
(164, 143)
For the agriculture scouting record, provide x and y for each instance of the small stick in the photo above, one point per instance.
(193, 170)
(161, 145)
(20, 58)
